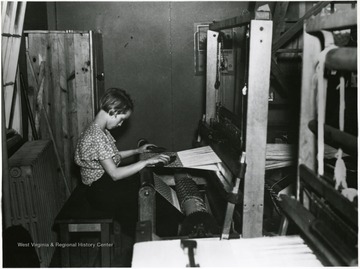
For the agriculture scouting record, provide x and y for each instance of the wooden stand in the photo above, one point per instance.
(76, 216)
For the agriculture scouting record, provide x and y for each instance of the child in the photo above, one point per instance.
(111, 188)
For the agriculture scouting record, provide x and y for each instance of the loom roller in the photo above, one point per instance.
(198, 221)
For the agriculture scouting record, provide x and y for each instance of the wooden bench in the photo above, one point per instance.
(77, 216)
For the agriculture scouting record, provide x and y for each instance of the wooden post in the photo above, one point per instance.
(256, 126)
(211, 69)
(5, 171)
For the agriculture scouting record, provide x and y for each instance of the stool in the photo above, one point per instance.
(77, 216)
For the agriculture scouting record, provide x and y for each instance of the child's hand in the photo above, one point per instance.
(144, 148)
(162, 158)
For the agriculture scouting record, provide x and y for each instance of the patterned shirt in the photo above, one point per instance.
(93, 146)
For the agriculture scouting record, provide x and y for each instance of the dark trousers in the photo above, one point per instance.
(119, 198)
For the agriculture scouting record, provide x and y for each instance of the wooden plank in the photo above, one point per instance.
(307, 140)
(239, 71)
(54, 91)
(279, 18)
(85, 227)
(328, 192)
(147, 207)
(232, 22)
(211, 69)
(17, 117)
(36, 53)
(298, 25)
(303, 220)
(99, 76)
(6, 202)
(280, 79)
(337, 21)
(256, 126)
(72, 106)
(91, 65)
(70, 80)
(225, 234)
(83, 86)
(64, 106)
(105, 251)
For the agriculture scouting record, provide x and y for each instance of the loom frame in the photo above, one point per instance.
(257, 108)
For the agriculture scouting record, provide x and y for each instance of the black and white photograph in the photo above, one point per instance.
(175, 134)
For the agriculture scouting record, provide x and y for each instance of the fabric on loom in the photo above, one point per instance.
(321, 101)
(340, 167)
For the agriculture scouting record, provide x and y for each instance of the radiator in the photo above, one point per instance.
(35, 192)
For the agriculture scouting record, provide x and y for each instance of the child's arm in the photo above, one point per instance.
(117, 173)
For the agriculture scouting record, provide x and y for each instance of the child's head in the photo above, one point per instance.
(116, 101)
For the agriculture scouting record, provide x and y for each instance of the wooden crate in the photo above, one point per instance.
(65, 73)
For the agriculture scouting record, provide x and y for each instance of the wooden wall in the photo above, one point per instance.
(149, 51)
(60, 67)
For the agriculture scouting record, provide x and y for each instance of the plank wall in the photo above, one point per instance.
(65, 86)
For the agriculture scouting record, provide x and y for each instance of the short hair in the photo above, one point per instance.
(117, 101)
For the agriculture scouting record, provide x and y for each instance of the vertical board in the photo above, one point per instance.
(98, 72)
(64, 104)
(256, 126)
(307, 140)
(84, 89)
(36, 52)
(70, 81)
(54, 101)
(211, 69)
(72, 108)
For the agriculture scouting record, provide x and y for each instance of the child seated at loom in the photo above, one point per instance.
(112, 188)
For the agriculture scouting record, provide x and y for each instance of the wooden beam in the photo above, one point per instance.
(6, 200)
(279, 18)
(335, 21)
(280, 79)
(298, 25)
(232, 22)
(242, 20)
(83, 72)
(256, 126)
